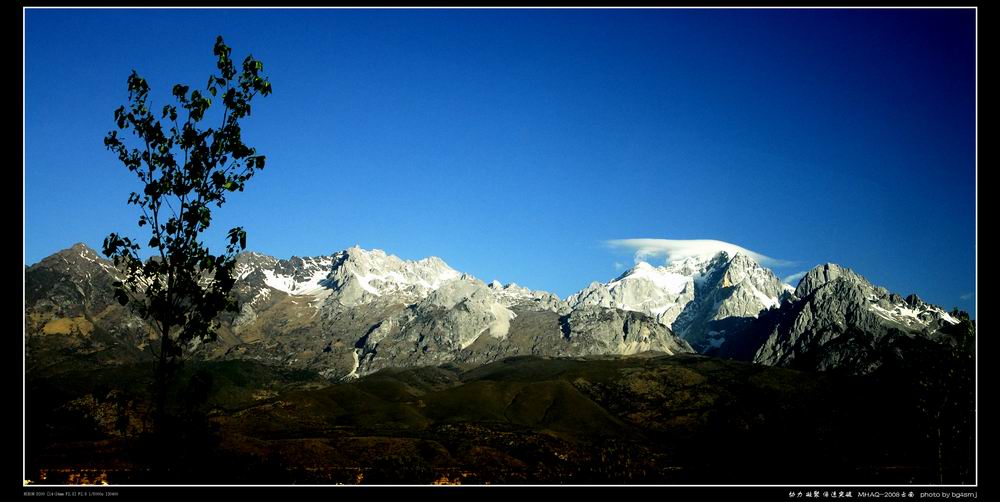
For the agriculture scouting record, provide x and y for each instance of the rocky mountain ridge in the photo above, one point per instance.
(838, 320)
(701, 299)
(358, 311)
(350, 314)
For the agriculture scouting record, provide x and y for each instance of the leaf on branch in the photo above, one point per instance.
(180, 92)
(205, 216)
(120, 117)
(218, 179)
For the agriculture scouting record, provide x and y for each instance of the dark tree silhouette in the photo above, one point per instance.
(183, 170)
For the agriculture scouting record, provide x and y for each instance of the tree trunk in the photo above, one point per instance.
(161, 384)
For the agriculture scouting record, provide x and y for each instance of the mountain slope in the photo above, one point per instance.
(839, 320)
(72, 318)
(700, 298)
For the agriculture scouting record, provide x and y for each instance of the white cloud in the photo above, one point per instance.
(794, 278)
(619, 265)
(967, 296)
(678, 249)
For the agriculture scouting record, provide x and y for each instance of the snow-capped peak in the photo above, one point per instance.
(662, 292)
(513, 295)
(354, 272)
(911, 312)
(379, 273)
(693, 290)
(670, 280)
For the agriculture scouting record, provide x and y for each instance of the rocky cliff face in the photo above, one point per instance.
(513, 295)
(733, 292)
(662, 292)
(701, 299)
(839, 320)
(351, 277)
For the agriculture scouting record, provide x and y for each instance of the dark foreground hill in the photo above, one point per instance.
(641, 419)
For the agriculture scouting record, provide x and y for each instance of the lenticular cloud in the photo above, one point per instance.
(678, 249)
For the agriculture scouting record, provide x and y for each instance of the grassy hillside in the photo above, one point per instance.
(640, 419)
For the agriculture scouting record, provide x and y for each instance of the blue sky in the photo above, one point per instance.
(514, 143)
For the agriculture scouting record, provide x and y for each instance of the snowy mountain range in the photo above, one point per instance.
(357, 311)
(700, 298)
